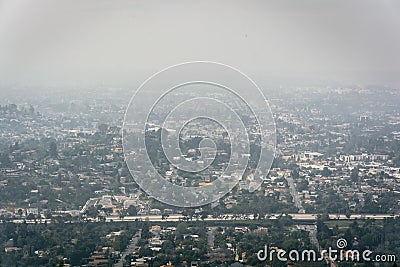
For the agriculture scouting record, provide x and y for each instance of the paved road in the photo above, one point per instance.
(230, 217)
(210, 237)
(129, 249)
(294, 194)
(312, 232)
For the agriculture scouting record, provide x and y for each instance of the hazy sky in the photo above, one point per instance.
(122, 42)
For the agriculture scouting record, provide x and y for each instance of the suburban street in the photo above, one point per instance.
(294, 194)
(129, 249)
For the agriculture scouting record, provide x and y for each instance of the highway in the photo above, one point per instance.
(231, 217)
(297, 217)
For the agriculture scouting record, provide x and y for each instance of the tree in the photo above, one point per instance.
(204, 215)
(295, 173)
(53, 150)
(354, 175)
(181, 229)
(131, 211)
(145, 252)
(164, 216)
(103, 128)
(5, 160)
(348, 213)
(326, 172)
(121, 214)
(92, 212)
(396, 161)
(224, 135)
(20, 212)
(168, 247)
(32, 110)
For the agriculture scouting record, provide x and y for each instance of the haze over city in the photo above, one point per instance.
(199, 133)
(102, 42)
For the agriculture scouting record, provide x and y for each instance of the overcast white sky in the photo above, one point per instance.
(122, 42)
